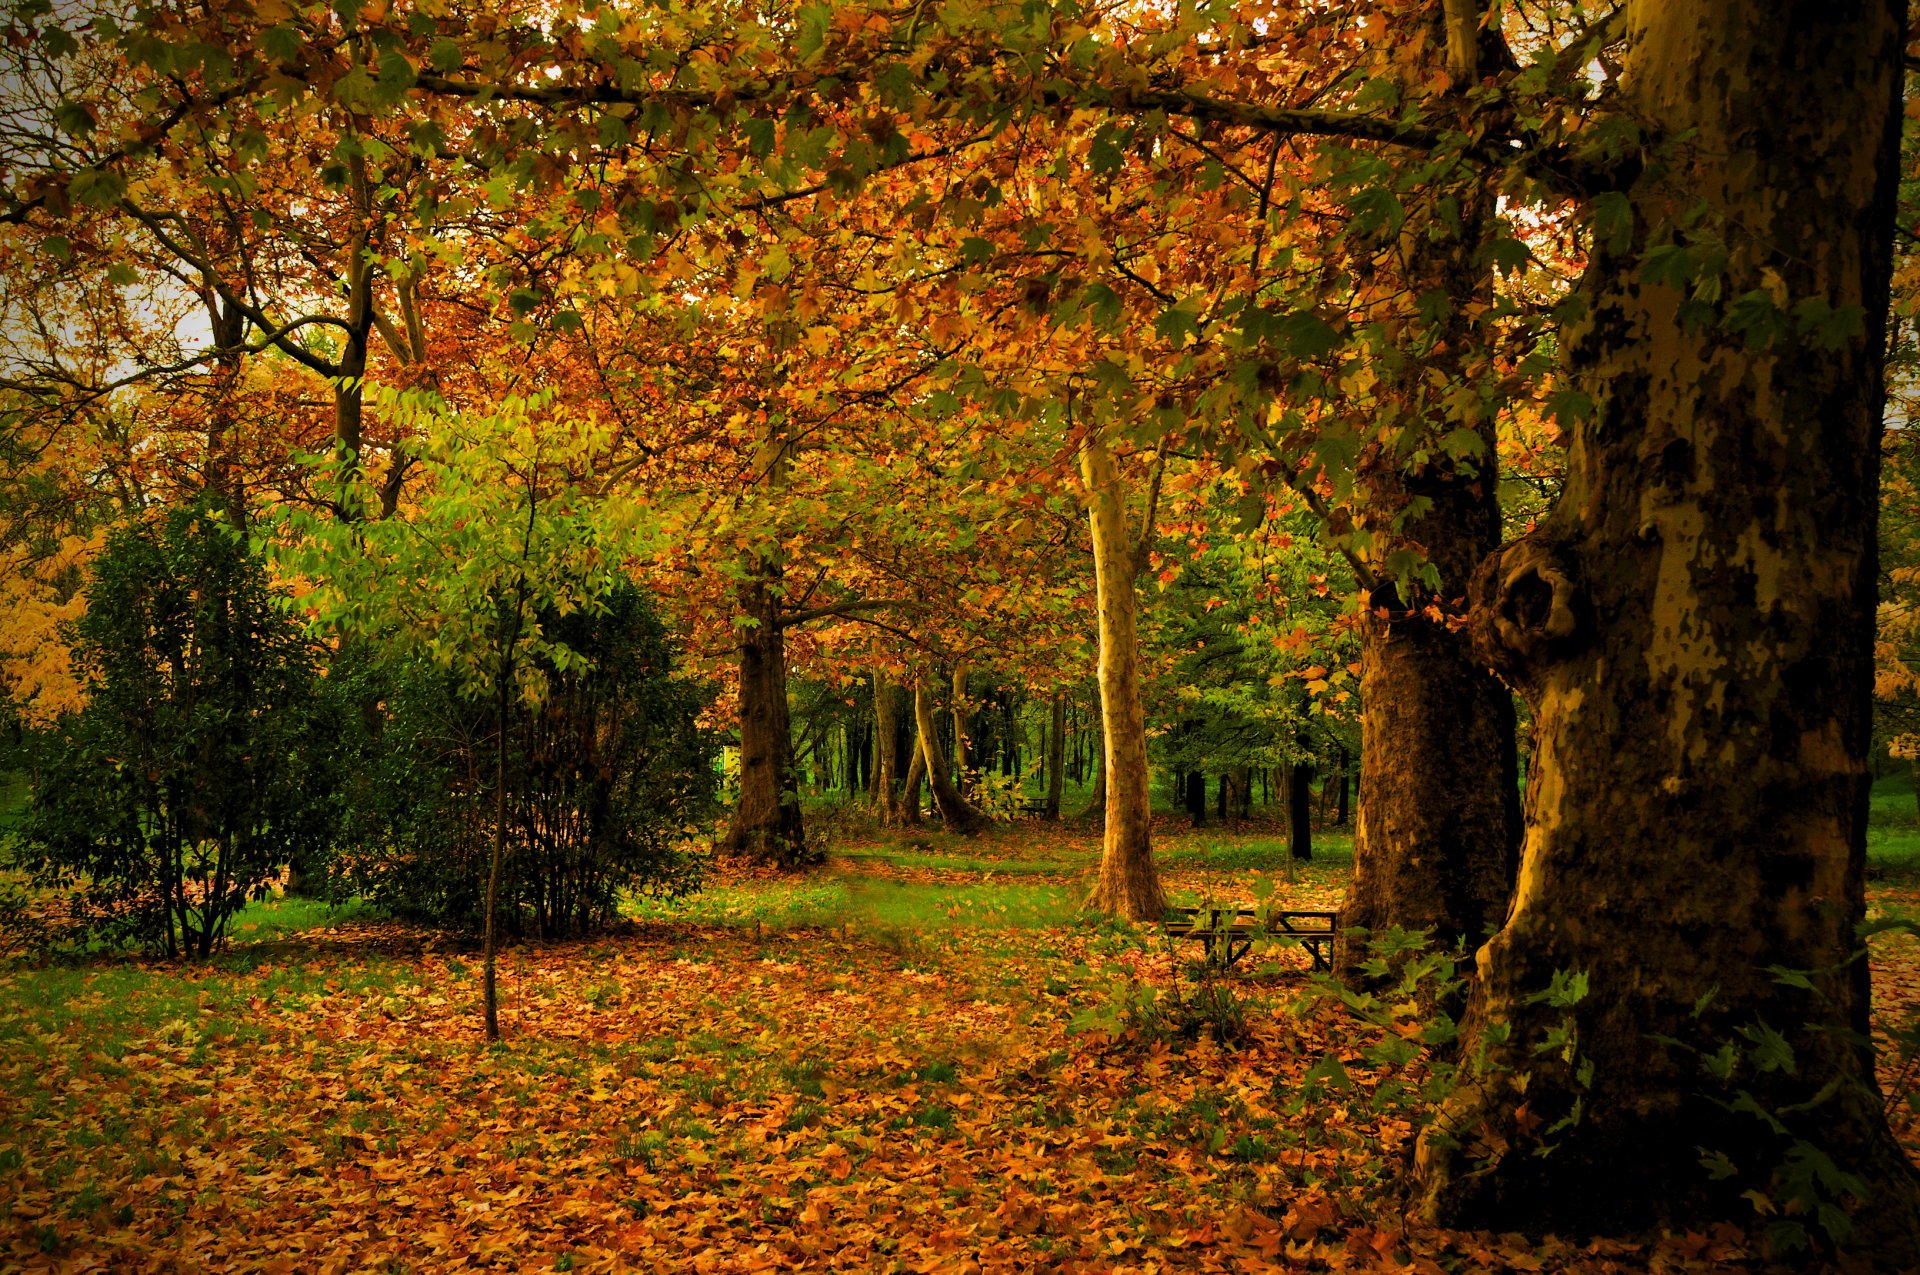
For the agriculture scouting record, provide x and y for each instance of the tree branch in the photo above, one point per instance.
(850, 607)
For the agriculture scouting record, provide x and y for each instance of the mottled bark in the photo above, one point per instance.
(1128, 884)
(1693, 628)
(1438, 837)
(954, 810)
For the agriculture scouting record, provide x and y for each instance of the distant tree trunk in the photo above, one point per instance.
(1057, 760)
(908, 811)
(962, 755)
(1128, 884)
(1241, 795)
(1194, 791)
(886, 771)
(1300, 809)
(1097, 800)
(1693, 627)
(766, 822)
(954, 810)
(1340, 811)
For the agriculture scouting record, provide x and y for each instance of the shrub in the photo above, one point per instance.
(198, 766)
(605, 779)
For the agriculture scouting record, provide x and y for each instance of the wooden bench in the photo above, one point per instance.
(1237, 928)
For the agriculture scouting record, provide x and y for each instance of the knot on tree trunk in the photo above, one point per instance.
(1526, 610)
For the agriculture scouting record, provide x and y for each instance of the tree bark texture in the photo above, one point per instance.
(962, 758)
(954, 810)
(886, 747)
(1128, 884)
(766, 820)
(1437, 842)
(1693, 628)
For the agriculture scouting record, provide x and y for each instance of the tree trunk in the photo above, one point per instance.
(1194, 790)
(1437, 842)
(954, 810)
(1300, 811)
(1693, 627)
(1128, 885)
(490, 943)
(1057, 759)
(909, 807)
(962, 755)
(766, 821)
(886, 749)
(1097, 800)
(1340, 811)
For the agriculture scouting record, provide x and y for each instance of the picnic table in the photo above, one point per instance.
(1237, 928)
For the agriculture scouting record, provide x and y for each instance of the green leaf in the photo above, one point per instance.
(444, 54)
(97, 188)
(76, 118)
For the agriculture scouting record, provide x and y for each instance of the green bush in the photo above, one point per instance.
(200, 764)
(605, 780)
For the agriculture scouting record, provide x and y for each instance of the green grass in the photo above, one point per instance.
(1893, 826)
(834, 901)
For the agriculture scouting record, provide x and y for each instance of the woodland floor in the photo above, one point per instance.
(917, 1060)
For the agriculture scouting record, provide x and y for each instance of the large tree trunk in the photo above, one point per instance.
(1693, 627)
(1128, 885)
(1057, 758)
(1438, 838)
(954, 810)
(886, 770)
(766, 821)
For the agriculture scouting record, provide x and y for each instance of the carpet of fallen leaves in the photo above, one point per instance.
(884, 1068)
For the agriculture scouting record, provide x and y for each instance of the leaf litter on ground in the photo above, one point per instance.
(864, 1070)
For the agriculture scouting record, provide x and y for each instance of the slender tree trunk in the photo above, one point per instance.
(954, 810)
(1194, 790)
(962, 759)
(887, 749)
(1340, 811)
(909, 808)
(766, 824)
(1128, 885)
(490, 991)
(1057, 759)
(1097, 800)
(1693, 627)
(1300, 809)
(1438, 837)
